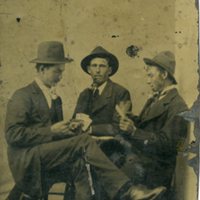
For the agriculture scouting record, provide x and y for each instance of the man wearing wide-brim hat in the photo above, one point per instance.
(99, 99)
(39, 140)
(158, 132)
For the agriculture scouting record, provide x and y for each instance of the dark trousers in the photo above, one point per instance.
(149, 174)
(71, 155)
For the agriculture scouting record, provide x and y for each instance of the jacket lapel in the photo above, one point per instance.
(40, 102)
(159, 107)
(102, 100)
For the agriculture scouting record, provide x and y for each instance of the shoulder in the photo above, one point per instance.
(22, 93)
(117, 87)
(178, 103)
(84, 95)
(84, 92)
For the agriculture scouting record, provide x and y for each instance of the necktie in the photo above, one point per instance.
(155, 98)
(56, 110)
(95, 94)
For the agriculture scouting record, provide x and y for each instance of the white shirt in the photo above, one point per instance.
(101, 88)
(49, 93)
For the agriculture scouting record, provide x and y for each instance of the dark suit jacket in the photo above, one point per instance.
(27, 125)
(104, 117)
(158, 136)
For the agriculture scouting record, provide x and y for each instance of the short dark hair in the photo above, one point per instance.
(169, 77)
(105, 57)
(39, 65)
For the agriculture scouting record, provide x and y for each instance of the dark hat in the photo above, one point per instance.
(102, 53)
(164, 60)
(50, 52)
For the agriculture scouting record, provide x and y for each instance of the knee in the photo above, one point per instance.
(87, 139)
(34, 155)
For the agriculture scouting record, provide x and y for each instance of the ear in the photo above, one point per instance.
(164, 74)
(88, 69)
(110, 70)
(41, 69)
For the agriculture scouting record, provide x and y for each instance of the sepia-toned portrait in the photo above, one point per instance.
(99, 100)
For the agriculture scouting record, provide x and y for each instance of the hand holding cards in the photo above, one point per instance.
(123, 108)
(76, 125)
(125, 123)
(86, 121)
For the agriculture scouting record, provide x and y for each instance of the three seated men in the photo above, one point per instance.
(39, 140)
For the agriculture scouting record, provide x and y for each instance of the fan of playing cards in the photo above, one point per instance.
(123, 108)
(85, 119)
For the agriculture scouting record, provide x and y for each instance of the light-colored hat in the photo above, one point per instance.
(164, 60)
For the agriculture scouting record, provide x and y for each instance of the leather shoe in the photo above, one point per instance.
(142, 193)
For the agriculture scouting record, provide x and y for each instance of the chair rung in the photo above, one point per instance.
(56, 193)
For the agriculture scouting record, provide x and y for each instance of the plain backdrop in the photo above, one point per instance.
(151, 25)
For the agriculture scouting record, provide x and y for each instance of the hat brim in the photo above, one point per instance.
(114, 63)
(65, 60)
(151, 62)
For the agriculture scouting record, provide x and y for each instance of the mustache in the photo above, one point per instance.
(98, 76)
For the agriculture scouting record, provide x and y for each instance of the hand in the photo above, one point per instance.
(123, 107)
(75, 124)
(127, 125)
(60, 127)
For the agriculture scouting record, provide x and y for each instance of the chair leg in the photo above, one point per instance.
(46, 189)
(45, 196)
(69, 193)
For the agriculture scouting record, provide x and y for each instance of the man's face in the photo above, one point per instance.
(155, 79)
(52, 75)
(99, 70)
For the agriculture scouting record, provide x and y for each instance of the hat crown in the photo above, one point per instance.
(50, 52)
(99, 50)
(166, 59)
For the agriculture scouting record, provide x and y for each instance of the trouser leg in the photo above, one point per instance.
(107, 173)
(69, 152)
(82, 185)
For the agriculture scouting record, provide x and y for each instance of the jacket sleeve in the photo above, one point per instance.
(169, 137)
(113, 127)
(20, 130)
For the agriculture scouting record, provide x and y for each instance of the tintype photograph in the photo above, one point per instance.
(99, 100)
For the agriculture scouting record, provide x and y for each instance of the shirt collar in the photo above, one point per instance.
(41, 85)
(100, 88)
(166, 90)
(163, 93)
(51, 92)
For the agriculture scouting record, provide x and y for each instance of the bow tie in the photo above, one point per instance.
(158, 95)
(52, 93)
